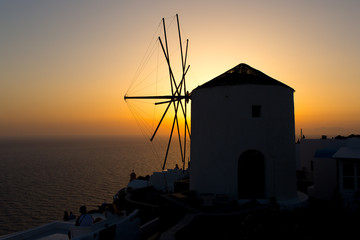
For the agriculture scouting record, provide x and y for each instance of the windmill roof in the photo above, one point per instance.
(243, 74)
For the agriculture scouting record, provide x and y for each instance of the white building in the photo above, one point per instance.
(309, 150)
(349, 166)
(333, 166)
(243, 137)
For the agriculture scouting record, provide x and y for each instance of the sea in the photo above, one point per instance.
(40, 178)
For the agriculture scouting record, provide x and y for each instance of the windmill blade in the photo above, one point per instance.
(149, 97)
(167, 53)
(158, 103)
(184, 113)
(178, 130)
(173, 98)
(167, 108)
(186, 50)
(184, 72)
(168, 146)
(172, 77)
(186, 99)
(186, 123)
(181, 50)
(182, 82)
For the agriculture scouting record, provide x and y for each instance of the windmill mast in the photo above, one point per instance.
(178, 93)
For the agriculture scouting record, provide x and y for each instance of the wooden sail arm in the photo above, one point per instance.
(168, 101)
(156, 97)
(184, 112)
(167, 108)
(168, 146)
(172, 77)
(178, 131)
(181, 50)
(167, 58)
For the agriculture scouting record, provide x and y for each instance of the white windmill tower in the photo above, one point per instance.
(243, 142)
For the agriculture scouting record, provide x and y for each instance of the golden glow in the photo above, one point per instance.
(65, 67)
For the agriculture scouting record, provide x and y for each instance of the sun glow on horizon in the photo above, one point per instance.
(65, 67)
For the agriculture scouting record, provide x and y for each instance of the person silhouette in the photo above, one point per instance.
(132, 176)
(71, 216)
(84, 219)
(66, 216)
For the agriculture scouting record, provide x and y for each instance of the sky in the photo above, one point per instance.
(65, 66)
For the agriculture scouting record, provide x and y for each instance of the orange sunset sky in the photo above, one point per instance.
(65, 66)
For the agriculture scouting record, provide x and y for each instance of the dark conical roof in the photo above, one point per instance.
(242, 74)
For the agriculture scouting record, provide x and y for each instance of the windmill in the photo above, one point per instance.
(178, 98)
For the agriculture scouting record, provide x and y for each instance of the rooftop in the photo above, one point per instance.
(243, 74)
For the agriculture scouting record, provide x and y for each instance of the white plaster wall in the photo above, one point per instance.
(223, 128)
(325, 178)
(307, 149)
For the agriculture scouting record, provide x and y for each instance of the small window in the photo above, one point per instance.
(348, 169)
(256, 111)
(349, 176)
(349, 183)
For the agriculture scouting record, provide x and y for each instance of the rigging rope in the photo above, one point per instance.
(152, 47)
(146, 56)
(145, 131)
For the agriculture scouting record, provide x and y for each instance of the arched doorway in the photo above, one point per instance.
(251, 175)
